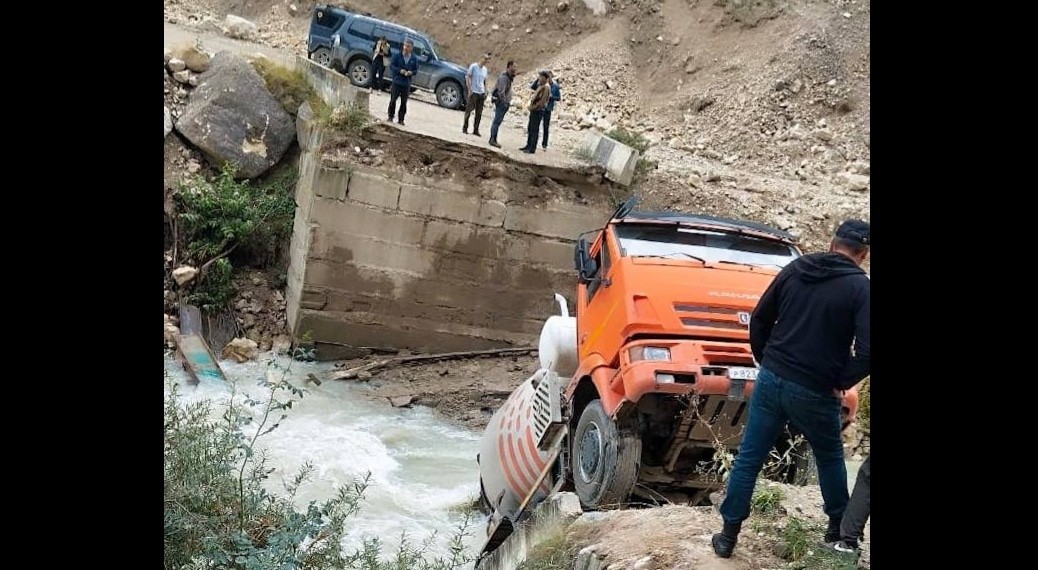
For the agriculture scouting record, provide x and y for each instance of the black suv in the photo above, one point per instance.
(344, 41)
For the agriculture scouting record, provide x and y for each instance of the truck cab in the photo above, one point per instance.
(665, 367)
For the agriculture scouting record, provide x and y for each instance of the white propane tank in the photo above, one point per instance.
(557, 348)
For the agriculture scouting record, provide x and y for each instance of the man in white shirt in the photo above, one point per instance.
(475, 93)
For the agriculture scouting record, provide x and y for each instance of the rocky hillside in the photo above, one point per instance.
(752, 108)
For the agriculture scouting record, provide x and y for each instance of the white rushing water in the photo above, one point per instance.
(423, 470)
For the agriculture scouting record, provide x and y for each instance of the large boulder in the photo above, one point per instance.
(232, 117)
(239, 28)
(192, 57)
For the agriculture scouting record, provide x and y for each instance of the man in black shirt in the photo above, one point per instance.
(810, 335)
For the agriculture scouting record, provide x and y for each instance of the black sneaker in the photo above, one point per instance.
(401, 121)
(494, 144)
(464, 130)
(476, 133)
(723, 544)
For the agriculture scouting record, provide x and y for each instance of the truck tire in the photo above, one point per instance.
(605, 459)
(322, 56)
(360, 72)
(448, 94)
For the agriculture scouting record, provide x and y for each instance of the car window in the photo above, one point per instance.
(395, 37)
(363, 29)
(328, 20)
(420, 47)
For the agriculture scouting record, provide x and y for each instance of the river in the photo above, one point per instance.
(423, 470)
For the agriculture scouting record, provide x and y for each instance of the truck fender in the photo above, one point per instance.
(601, 374)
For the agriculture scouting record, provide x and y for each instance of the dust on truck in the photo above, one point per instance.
(642, 394)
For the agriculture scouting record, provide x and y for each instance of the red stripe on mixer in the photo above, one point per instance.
(517, 489)
(532, 447)
(532, 472)
(520, 473)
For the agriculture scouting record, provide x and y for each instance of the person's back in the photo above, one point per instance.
(822, 306)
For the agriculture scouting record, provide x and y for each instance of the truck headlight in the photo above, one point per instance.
(654, 353)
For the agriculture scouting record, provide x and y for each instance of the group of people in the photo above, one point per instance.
(402, 66)
(810, 334)
(546, 91)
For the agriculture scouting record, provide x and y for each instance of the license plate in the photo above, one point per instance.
(738, 373)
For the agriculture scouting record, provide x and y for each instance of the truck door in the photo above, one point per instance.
(594, 301)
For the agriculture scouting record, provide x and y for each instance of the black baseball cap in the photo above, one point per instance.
(856, 231)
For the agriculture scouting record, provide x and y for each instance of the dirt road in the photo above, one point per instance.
(423, 114)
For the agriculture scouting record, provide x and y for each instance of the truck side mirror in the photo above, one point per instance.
(585, 264)
(580, 256)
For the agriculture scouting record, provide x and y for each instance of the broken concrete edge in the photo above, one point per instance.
(332, 87)
(618, 159)
(546, 520)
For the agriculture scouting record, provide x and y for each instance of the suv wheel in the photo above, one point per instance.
(323, 56)
(448, 94)
(360, 73)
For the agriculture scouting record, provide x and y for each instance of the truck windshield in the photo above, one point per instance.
(673, 241)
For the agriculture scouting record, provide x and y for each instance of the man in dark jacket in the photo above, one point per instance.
(810, 335)
(502, 98)
(404, 66)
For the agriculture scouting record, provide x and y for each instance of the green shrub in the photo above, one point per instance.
(629, 138)
(224, 215)
(289, 86)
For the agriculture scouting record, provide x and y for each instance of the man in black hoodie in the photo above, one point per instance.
(810, 335)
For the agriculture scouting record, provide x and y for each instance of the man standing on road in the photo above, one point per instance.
(537, 104)
(475, 93)
(556, 95)
(502, 98)
(810, 335)
(404, 66)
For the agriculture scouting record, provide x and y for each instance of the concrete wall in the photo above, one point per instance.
(547, 520)
(384, 259)
(333, 87)
(618, 159)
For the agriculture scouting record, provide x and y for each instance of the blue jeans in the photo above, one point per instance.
(545, 120)
(774, 402)
(499, 116)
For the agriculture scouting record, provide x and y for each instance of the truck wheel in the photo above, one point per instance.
(605, 459)
(322, 56)
(360, 73)
(448, 94)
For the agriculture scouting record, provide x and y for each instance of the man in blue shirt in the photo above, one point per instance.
(403, 67)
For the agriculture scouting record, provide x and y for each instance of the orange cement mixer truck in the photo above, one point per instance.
(643, 394)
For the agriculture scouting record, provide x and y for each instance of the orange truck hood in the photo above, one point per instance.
(684, 297)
